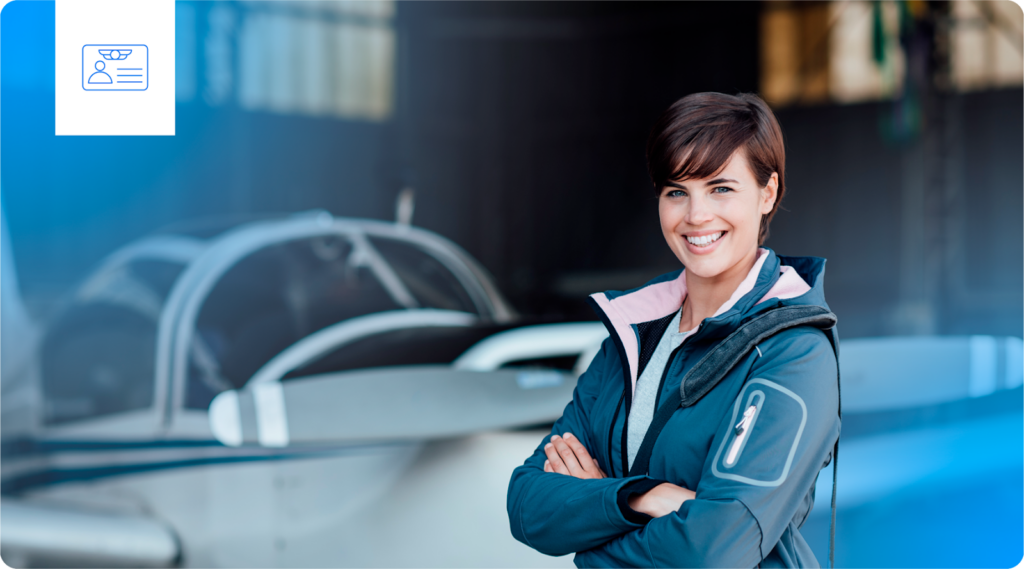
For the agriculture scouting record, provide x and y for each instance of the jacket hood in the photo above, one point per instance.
(773, 281)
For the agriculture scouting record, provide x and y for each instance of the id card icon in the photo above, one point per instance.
(115, 67)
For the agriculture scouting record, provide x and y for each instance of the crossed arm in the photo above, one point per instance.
(566, 455)
(560, 501)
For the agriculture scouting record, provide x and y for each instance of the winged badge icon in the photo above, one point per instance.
(115, 54)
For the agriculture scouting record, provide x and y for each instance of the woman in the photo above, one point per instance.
(696, 435)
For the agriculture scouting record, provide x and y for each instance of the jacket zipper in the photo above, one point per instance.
(742, 430)
(611, 433)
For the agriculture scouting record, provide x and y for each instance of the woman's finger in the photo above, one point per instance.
(584, 458)
(547, 466)
(568, 457)
(555, 459)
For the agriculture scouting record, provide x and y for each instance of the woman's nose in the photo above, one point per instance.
(699, 211)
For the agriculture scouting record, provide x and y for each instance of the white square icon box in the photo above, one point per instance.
(115, 67)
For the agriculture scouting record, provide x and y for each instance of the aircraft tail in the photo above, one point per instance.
(16, 331)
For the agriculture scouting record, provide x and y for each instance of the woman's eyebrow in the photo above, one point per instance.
(720, 181)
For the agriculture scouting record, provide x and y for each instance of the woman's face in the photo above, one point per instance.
(712, 224)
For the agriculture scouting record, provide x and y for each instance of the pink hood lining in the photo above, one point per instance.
(659, 300)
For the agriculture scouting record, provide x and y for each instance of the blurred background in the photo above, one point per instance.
(520, 128)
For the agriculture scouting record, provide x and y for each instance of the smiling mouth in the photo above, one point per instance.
(705, 240)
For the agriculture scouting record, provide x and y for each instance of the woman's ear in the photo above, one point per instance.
(769, 193)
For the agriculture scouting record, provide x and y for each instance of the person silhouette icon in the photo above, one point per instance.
(100, 76)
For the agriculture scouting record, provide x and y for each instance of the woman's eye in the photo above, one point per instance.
(722, 190)
(675, 193)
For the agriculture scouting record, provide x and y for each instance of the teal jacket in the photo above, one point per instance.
(754, 485)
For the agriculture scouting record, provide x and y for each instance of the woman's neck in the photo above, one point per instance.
(704, 295)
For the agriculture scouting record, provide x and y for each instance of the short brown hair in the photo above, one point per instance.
(695, 137)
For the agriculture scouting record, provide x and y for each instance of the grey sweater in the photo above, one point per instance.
(642, 410)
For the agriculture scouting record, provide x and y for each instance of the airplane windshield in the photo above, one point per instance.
(430, 282)
(272, 299)
(98, 355)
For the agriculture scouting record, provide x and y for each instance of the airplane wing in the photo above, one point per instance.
(398, 403)
(497, 383)
(45, 535)
(908, 405)
(910, 371)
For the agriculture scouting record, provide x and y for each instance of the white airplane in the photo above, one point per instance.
(371, 392)
(318, 391)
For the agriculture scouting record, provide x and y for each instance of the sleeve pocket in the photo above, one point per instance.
(763, 435)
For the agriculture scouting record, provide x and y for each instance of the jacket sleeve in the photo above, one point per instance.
(755, 479)
(558, 514)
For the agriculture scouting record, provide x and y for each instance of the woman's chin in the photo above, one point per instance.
(705, 269)
(706, 266)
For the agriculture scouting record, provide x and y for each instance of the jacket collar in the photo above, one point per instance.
(621, 312)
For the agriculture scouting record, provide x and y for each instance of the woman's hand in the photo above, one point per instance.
(567, 455)
(661, 500)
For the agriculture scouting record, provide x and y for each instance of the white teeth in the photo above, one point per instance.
(704, 240)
